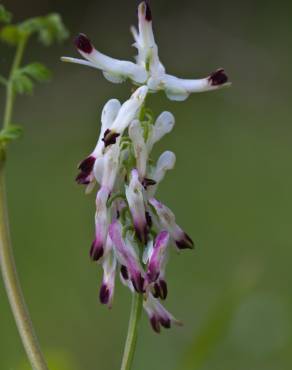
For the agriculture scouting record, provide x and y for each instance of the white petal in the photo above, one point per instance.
(179, 89)
(145, 42)
(109, 113)
(165, 163)
(111, 166)
(163, 125)
(113, 67)
(115, 79)
(77, 61)
(98, 169)
(136, 134)
(129, 110)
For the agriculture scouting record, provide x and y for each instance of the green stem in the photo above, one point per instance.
(13, 288)
(10, 94)
(7, 263)
(131, 340)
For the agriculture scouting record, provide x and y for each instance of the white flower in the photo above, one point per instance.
(114, 70)
(86, 175)
(128, 112)
(135, 198)
(101, 225)
(143, 146)
(148, 70)
(163, 125)
(165, 163)
(107, 288)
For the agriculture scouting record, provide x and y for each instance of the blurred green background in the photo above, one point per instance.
(231, 190)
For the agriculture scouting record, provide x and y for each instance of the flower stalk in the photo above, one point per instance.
(131, 341)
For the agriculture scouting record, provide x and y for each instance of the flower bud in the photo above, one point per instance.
(127, 256)
(134, 194)
(166, 219)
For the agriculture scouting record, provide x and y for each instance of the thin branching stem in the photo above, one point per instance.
(7, 263)
(10, 94)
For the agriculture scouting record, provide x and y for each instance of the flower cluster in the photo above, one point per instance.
(134, 230)
(148, 69)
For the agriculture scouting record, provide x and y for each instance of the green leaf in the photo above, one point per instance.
(11, 133)
(23, 79)
(22, 84)
(10, 35)
(49, 28)
(37, 71)
(5, 16)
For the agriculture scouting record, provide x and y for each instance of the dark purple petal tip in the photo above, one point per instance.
(141, 232)
(156, 291)
(148, 219)
(110, 138)
(87, 164)
(104, 294)
(85, 168)
(155, 324)
(148, 13)
(83, 43)
(218, 77)
(82, 179)
(165, 322)
(138, 283)
(124, 272)
(160, 290)
(148, 182)
(163, 289)
(185, 243)
(152, 275)
(96, 251)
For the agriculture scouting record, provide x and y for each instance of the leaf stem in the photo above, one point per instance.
(7, 263)
(131, 341)
(10, 94)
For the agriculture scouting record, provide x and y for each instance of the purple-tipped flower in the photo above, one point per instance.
(158, 257)
(114, 70)
(148, 69)
(145, 42)
(158, 315)
(166, 218)
(126, 115)
(86, 167)
(106, 292)
(179, 89)
(101, 225)
(135, 198)
(127, 256)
